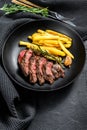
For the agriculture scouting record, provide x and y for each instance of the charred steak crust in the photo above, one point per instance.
(38, 68)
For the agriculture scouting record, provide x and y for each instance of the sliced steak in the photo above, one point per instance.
(25, 62)
(33, 69)
(59, 71)
(48, 73)
(40, 69)
(20, 56)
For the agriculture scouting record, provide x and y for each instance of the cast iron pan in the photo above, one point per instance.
(11, 50)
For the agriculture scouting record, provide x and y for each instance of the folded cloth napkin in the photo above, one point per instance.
(21, 109)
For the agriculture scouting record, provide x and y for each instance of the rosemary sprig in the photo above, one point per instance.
(14, 8)
(48, 55)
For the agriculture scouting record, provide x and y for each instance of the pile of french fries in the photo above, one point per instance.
(53, 42)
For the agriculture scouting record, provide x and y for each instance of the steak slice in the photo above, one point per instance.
(40, 69)
(25, 62)
(33, 69)
(55, 73)
(20, 56)
(48, 73)
(59, 72)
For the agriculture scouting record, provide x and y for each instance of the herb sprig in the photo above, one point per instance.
(48, 55)
(14, 8)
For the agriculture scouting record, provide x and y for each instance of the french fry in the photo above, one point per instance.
(65, 50)
(53, 51)
(59, 34)
(68, 45)
(24, 43)
(37, 37)
(49, 42)
(41, 31)
(30, 37)
(28, 45)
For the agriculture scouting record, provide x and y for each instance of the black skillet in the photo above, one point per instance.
(11, 50)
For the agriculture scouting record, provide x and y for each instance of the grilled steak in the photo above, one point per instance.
(38, 68)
